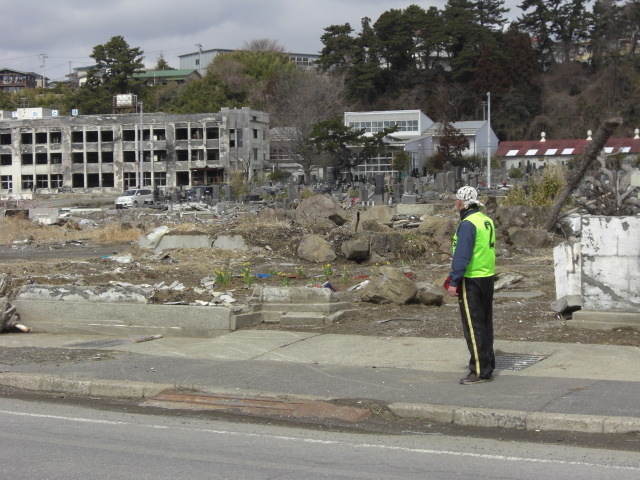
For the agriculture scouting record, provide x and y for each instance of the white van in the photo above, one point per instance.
(136, 197)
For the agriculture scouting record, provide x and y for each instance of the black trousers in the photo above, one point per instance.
(476, 308)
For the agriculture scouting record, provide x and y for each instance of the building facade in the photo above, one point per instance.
(111, 153)
(14, 80)
(530, 155)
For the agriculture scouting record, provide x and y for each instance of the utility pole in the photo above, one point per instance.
(43, 57)
(140, 154)
(199, 58)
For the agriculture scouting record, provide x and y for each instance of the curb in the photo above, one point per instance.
(515, 419)
(463, 416)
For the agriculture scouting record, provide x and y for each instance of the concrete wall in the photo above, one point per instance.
(611, 263)
(604, 268)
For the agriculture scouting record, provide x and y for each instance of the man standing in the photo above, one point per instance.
(471, 280)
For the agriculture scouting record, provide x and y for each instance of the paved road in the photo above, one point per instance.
(49, 441)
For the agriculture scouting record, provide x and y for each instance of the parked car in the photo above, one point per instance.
(136, 197)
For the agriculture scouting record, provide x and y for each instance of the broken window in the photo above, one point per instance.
(41, 158)
(107, 180)
(159, 134)
(106, 135)
(55, 158)
(26, 138)
(6, 182)
(197, 154)
(213, 154)
(56, 180)
(77, 180)
(93, 180)
(159, 155)
(128, 135)
(196, 133)
(93, 157)
(107, 157)
(182, 179)
(160, 179)
(77, 137)
(5, 138)
(55, 137)
(213, 133)
(146, 179)
(255, 133)
(92, 136)
(41, 138)
(182, 155)
(182, 133)
(27, 159)
(27, 182)
(129, 156)
(6, 159)
(42, 181)
(130, 180)
(77, 157)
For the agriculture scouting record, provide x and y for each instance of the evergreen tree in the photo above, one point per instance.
(119, 62)
(491, 13)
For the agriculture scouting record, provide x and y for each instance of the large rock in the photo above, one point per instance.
(428, 294)
(314, 248)
(526, 237)
(380, 214)
(320, 210)
(356, 250)
(390, 286)
(519, 216)
(437, 226)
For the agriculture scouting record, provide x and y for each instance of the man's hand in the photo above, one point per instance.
(453, 291)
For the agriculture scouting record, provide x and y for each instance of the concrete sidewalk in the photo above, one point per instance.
(538, 386)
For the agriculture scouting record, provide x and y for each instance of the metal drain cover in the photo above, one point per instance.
(512, 361)
(99, 343)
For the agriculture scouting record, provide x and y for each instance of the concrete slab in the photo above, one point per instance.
(593, 320)
(123, 319)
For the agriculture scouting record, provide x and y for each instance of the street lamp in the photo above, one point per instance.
(140, 154)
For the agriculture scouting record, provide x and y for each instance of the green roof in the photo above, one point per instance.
(165, 73)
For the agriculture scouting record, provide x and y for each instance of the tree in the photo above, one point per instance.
(119, 63)
(491, 13)
(299, 101)
(249, 75)
(263, 45)
(346, 146)
(451, 144)
(162, 64)
(337, 53)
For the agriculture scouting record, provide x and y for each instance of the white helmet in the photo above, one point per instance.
(469, 196)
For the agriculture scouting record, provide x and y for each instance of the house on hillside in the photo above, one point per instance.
(15, 80)
(530, 155)
(166, 77)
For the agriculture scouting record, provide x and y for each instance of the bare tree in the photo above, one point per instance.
(299, 102)
(263, 44)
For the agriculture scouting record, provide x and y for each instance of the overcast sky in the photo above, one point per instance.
(67, 30)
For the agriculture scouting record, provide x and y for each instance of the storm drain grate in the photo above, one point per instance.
(99, 343)
(516, 362)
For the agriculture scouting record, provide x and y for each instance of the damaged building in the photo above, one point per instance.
(110, 153)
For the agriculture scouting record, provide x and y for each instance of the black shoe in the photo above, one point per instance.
(472, 379)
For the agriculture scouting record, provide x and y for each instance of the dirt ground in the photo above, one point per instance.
(73, 253)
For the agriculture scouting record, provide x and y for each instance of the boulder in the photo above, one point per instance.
(380, 214)
(320, 210)
(314, 248)
(429, 294)
(437, 226)
(356, 250)
(526, 237)
(390, 286)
